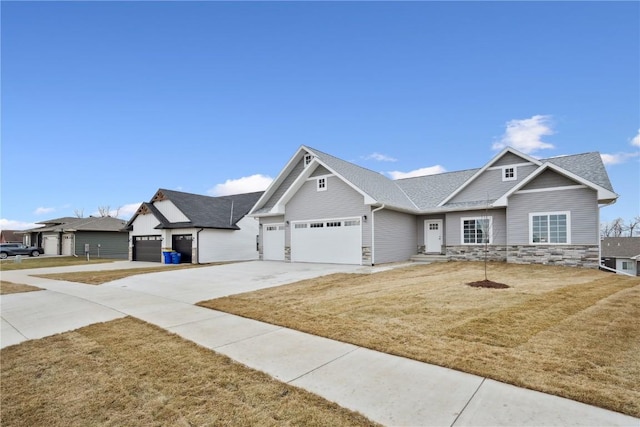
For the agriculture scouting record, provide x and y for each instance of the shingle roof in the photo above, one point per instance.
(428, 191)
(620, 247)
(210, 212)
(587, 165)
(91, 223)
(372, 183)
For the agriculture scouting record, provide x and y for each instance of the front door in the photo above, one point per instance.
(433, 236)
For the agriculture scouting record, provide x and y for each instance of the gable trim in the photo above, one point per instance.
(603, 193)
(487, 166)
(542, 190)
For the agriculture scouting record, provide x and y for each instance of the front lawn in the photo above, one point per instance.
(46, 262)
(129, 373)
(565, 331)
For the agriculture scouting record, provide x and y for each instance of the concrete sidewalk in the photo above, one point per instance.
(388, 389)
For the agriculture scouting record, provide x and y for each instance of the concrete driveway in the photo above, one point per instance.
(388, 389)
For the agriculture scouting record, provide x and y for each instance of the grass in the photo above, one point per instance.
(46, 262)
(104, 276)
(14, 288)
(127, 372)
(565, 331)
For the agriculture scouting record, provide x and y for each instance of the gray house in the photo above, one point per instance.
(201, 228)
(521, 209)
(621, 254)
(100, 236)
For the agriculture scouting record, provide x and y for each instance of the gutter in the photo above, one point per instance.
(373, 233)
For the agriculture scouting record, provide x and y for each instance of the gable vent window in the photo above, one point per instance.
(322, 184)
(509, 174)
(307, 159)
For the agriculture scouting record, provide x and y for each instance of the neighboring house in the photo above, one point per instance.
(202, 228)
(99, 236)
(324, 209)
(10, 236)
(621, 254)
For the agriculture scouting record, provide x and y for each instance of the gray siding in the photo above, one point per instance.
(321, 170)
(395, 236)
(112, 244)
(509, 159)
(549, 179)
(490, 186)
(582, 203)
(453, 225)
(338, 201)
(286, 183)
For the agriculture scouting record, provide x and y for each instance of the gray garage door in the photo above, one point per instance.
(147, 248)
(183, 243)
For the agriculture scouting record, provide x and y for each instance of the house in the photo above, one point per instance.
(99, 236)
(517, 208)
(202, 228)
(621, 254)
(10, 236)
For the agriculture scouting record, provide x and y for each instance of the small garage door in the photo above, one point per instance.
(334, 241)
(183, 243)
(50, 245)
(273, 242)
(147, 248)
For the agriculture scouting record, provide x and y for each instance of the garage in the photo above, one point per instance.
(333, 241)
(183, 243)
(147, 248)
(273, 242)
(50, 244)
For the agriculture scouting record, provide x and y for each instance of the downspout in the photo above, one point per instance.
(373, 233)
(198, 246)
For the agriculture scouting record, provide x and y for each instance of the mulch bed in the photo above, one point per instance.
(488, 284)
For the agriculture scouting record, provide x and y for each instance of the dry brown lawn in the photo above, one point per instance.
(14, 288)
(46, 262)
(565, 331)
(104, 276)
(127, 372)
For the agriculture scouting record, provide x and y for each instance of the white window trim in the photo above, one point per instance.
(469, 218)
(532, 214)
(324, 180)
(308, 158)
(515, 173)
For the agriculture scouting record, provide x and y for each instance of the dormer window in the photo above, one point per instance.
(509, 173)
(307, 159)
(321, 184)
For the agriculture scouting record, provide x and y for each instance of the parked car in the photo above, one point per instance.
(10, 249)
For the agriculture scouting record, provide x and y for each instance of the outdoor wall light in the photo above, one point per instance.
(364, 218)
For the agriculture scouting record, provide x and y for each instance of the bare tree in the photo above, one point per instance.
(104, 211)
(617, 227)
(79, 213)
(633, 224)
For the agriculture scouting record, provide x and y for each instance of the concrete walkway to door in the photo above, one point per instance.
(388, 389)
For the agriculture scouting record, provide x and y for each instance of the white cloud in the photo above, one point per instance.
(246, 184)
(614, 159)
(380, 157)
(9, 224)
(42, 211)
(127, 210)
(525, 134)
(636, 140)
(431, 170)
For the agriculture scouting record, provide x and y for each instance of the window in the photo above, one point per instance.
(626, 265)
(509, 173)
(549, 228)
(300, 226)
(307, 159)
(334, 224)
(476, 231)
(352, 223)
(321, 184)
(316, 225)
(433, 226)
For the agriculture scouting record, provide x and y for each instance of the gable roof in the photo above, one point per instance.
(430, 193)
(620, 247)
(222, 212)
(71, 224)
(10, 236)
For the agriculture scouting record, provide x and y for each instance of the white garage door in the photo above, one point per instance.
(334, 241)
(273, 242)
(50, 245)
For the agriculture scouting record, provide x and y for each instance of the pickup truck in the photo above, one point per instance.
(10, 249)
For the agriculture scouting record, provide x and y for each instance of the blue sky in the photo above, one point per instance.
(105, 102)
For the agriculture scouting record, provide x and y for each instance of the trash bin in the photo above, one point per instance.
(176, 257)
(167, 257)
